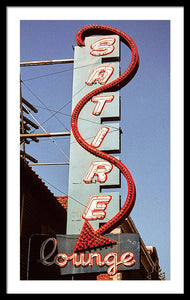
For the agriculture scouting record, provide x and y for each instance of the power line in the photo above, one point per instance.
(69, 115)
(46, 132)
(49, 62)
(39, 99)
(53, 115)
(58, 72)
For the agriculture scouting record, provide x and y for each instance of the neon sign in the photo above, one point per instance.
(50, 255)
(87, 172)
(99, 171)
(93, 214)
(111, 259)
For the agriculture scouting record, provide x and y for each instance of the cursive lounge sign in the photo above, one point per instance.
(54, 255)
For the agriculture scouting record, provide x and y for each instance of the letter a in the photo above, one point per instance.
(100, 74)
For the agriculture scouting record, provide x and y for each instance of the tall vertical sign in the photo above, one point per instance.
(89, 174)
(95, 83)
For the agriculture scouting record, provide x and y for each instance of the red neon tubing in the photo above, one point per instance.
(114, 85)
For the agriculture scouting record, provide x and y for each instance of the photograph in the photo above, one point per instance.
(94, 128)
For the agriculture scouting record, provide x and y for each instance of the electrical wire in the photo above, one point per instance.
(59, 111)
(58, 72)
(69, 115)
(45, 131)
(45, 106)
(39, 99)
(54, 115)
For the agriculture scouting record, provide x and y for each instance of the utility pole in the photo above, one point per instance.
(24, 128)
(22, 123)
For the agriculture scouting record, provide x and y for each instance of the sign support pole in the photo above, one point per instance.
(46, 62)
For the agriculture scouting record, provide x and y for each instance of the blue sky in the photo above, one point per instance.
(145, 115)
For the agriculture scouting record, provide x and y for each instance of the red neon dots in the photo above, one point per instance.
(88, 237)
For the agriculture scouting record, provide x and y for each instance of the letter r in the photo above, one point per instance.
(100, 169)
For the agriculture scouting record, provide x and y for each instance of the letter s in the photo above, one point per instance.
(103, 46)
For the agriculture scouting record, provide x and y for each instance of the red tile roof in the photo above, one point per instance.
(63, 201)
